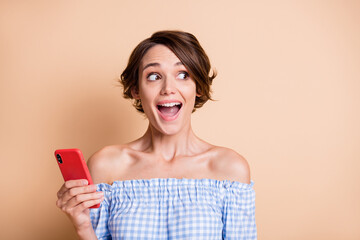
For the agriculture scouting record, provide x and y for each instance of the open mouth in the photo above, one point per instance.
(169, 110)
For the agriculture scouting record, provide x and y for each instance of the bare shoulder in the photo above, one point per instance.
(105, 164)
(231, 165)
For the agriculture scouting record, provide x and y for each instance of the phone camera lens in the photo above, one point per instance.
(59, 158)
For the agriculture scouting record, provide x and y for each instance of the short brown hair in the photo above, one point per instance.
(187, 48)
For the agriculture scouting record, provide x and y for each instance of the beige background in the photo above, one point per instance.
(287, 90)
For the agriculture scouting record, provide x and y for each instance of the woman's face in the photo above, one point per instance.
(166, 90)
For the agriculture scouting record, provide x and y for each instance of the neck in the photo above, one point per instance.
(168, 147)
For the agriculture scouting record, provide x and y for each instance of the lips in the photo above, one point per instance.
(169, 109)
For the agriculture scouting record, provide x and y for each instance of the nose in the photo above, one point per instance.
(168, 86)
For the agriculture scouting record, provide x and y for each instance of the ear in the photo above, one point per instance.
(198, 94)
(135, 93)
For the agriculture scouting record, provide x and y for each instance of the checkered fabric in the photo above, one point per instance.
(173, 208)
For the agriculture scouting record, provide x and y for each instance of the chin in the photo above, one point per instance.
(170, 130)
(171, 127)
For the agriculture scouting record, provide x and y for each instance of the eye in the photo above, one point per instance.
(153, 76)
(183, 75)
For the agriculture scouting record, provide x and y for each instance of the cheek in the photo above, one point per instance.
(190, 93)
(192, 89)
(147, 96)
(143, 90)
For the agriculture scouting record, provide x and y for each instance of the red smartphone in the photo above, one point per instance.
(73, 166)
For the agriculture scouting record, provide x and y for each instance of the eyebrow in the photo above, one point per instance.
(158, 64)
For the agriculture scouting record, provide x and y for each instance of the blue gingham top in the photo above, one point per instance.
(170, 208)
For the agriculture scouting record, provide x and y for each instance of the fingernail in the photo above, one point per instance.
(85, 182)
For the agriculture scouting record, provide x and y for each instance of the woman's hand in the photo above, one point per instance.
(74, 198)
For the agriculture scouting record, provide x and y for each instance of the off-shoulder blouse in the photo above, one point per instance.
(171, 208)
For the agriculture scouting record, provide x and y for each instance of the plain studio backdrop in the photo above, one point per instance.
(287, 96)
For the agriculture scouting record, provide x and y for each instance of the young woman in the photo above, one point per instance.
(169, 183)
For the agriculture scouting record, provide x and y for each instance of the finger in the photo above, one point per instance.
(70, 184)
(74, 196)
(85, 205)
(75, 191)
(79, 199)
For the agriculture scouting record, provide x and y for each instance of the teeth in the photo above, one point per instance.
(169, 104)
